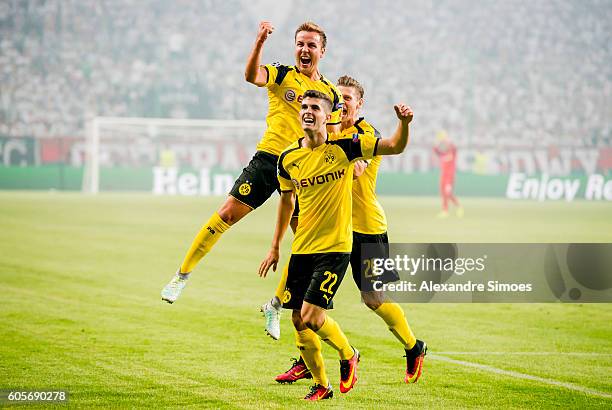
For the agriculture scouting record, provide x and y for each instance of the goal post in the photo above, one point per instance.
(116, 145)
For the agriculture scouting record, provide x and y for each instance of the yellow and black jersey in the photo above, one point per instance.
(322, 179)
(286, 87)
(368, 215)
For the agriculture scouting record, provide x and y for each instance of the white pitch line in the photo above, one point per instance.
(598, 354)
(524, 376)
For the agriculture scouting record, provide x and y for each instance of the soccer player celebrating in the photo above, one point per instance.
(369, 226)
(318, 170)
(446, 152)
(286, 86)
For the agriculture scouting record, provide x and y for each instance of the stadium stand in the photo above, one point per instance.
(503, 71)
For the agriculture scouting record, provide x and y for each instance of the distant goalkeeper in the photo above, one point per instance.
(446, 152)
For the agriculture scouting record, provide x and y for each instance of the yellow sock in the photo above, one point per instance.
(203, 242)
(309, 345)
(331, 334)
(280, 289)
(393, 315)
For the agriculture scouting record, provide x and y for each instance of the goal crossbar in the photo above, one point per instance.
(91, 175)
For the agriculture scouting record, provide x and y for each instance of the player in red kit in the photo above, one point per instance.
(446, 152)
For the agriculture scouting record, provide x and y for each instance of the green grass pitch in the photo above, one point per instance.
(81, 311)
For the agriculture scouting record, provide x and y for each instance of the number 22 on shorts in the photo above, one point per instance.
(330, 281)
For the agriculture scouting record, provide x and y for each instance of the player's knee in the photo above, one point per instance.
(296, 318)
(372, 299)
(227, 214)
(373, 305)
(232, 211)
(313, 319)
(314, 324)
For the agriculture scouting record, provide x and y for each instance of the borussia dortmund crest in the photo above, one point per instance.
(244, 189)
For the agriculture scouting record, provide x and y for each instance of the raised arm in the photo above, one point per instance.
(254, 72)
(283, 216)
(398, 141)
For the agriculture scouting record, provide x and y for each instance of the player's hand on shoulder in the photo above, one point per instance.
(265, 29)
(403, 112)
(271, 261)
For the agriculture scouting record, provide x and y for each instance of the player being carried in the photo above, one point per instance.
(286, 86)
(318, 171)
(369, 226)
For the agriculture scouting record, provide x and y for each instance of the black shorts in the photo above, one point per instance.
(363, 275)
(258, 181)
(314, 278)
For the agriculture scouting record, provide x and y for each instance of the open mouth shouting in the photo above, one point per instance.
(308, 119)
(305, 61)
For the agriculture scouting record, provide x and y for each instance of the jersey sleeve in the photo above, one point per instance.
(284, 179)
(276, 74)
(368, 143)
(371, 132)
(361, 146)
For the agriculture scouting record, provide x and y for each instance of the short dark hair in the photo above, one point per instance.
(348, 81)
(314, 28)
(320, 96)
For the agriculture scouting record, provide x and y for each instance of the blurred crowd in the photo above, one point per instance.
(495, 72)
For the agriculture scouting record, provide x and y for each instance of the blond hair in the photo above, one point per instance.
(314, 28)
(347, 81)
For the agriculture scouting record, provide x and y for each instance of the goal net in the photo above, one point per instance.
(167, 156)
